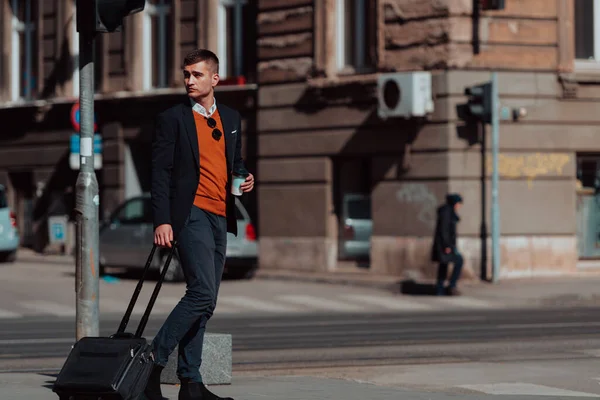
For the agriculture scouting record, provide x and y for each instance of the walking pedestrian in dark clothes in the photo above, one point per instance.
(444, 250)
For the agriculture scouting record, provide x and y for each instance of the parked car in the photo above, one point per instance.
(9, 234)
(126, 239)
(355, 238)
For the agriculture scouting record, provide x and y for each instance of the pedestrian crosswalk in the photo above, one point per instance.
(229, 304)
(49, 308)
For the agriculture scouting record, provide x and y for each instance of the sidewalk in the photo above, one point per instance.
(29, 256)
(567, 290)
(39, 387)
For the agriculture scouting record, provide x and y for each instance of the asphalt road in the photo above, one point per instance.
(341, 340)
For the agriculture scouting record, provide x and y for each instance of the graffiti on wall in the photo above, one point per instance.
(421, 195)
(530, 166)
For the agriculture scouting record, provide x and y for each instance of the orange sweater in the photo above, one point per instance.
(212, 187)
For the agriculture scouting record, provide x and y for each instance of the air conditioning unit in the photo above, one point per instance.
(404, 94)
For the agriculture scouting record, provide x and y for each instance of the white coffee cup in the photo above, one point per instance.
(235, 185)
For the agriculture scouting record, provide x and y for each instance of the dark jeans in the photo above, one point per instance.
(202, 245)
(456, 259)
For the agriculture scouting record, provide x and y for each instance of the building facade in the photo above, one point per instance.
(309, 97)
(137, 74)
(320, 136)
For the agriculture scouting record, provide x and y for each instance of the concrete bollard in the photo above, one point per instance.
(216, 361)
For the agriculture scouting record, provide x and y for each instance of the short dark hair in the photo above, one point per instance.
(199, 55)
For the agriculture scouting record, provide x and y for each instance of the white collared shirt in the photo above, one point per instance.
(199, 108)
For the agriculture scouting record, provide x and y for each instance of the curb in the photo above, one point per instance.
(391, 283)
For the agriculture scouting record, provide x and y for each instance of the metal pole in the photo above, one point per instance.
(87, 200)
(495, 206)
(239, 34)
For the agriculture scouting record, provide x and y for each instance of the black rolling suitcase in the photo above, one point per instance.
(115, 367)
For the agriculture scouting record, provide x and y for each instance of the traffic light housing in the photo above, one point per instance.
(103, 16)
(492, 4)
(479, 106)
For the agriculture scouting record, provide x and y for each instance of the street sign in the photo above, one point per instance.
(57, 229)
(76, 118)
(74, 157)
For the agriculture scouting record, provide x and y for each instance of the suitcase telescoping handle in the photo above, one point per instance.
(138, 289)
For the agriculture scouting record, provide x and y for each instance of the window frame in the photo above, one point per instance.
(571, 70)
(583, 64)
(359, 42)
(18, 27)
(115, 218)
(3, 197)
(75, 50)
(162, 59)
(223, 38)
(326, 30)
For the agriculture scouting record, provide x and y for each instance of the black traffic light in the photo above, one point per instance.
(102, 16)
(479, 106)
(492, 4)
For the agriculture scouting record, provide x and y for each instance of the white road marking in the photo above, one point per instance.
(320, 303)
(246, 302)
(390, 303)
(591, 352)
(108, 305)
(526, 389)
(9, 314)
(466, 302)
(358, 322)
(550, 325)
(168, 301)
(12, 342)
(48, 307)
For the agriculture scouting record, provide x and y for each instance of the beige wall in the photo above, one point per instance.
(537, 169)
(414, 166)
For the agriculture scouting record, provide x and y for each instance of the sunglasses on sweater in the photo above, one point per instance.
(216, 133)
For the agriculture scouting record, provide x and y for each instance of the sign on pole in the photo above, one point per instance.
(57, 229)
(77, 142)
(75, 156)
(76, 118)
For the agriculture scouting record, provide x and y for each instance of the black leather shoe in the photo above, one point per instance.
(190, 390)
(153, 391)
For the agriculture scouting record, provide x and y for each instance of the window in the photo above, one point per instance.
(358, 207)
(158, 43)
(3, 202)
(24, 71)
(588, 172)
(75, 52)
(231, 22)
(135, 211)
(353, 35)
(587, 30)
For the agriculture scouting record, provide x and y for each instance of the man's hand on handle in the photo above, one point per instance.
(163, 235)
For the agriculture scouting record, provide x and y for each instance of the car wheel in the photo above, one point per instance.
(9, 257)
(242, 272)
(175, 272)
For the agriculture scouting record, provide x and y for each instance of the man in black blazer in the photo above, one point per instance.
(196, 151)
